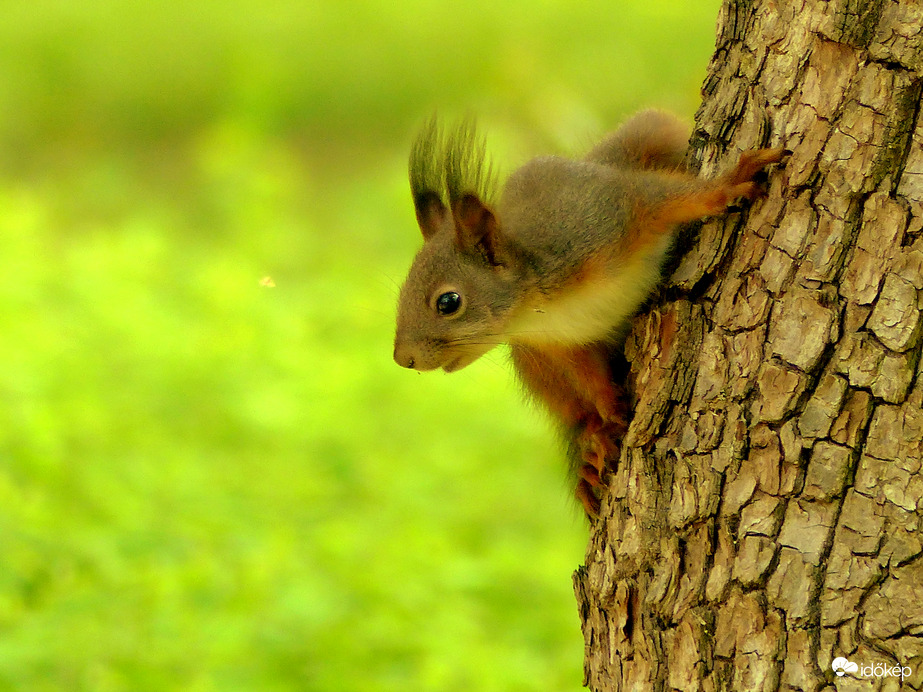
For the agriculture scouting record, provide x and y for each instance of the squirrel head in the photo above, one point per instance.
(457, 298)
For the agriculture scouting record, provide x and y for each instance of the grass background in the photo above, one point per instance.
(211, 484)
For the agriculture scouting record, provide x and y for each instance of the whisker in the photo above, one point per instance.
(384, 279)
(495, 363)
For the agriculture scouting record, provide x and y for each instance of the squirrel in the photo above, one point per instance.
(556, 267)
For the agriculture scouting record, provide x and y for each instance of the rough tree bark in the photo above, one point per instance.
(765, 516)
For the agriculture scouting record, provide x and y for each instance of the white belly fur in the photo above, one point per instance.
(589, 313)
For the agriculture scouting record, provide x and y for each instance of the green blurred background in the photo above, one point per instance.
(207, 483)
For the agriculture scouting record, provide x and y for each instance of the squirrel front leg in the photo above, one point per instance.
(575, 384)
(705, 198)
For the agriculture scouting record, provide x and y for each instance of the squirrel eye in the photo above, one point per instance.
(448, 303)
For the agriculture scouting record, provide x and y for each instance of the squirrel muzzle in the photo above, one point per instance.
(423, 356)
(416, 355)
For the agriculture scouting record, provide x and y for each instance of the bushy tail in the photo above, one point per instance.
(649, 140)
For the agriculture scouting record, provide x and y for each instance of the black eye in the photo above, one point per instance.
(448, 303)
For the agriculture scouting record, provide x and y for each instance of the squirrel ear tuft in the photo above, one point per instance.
(477, 228)
(431, 213)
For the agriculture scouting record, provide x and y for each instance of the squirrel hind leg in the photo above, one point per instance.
(576, 385)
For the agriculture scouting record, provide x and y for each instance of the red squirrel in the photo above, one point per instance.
(556, 267)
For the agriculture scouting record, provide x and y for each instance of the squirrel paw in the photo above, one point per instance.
(590, 474)
(599, 446)
(588, 499)
(600, 443)
(753, 161)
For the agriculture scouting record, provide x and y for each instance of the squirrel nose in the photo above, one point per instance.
(403, 356)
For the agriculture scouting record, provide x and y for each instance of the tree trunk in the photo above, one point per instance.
(765, 516)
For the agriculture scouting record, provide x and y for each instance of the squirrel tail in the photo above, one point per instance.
(649, 140)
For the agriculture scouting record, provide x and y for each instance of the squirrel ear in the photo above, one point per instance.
(477, 228)
(431, 213)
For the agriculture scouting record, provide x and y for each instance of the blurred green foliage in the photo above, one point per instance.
(207, 483)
